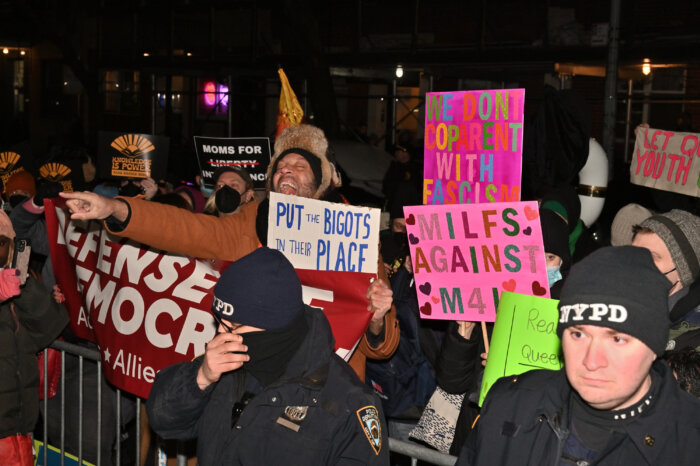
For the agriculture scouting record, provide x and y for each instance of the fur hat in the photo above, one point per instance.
(680, 231)
(312, 142)
(619, 288)
(621, 233)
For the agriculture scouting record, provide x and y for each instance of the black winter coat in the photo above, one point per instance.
(459, 371)
(333, 431)
(525, 421)
(28, 323)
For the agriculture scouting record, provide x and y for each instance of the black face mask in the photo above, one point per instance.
(17, 199)
(227, 199)
(271, 350)
(130, 190)
(401, 241)
(394, 247)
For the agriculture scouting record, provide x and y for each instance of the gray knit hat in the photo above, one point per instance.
(621, 233)
(680, 231)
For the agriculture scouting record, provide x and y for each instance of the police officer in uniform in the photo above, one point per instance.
(269, 388)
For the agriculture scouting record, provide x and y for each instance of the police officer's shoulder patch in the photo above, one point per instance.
(369, 420)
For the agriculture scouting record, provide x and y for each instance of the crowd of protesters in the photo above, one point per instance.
(269, 388)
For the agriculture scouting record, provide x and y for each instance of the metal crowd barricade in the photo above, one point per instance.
(93, 357)
(418, 452)
(414, 451)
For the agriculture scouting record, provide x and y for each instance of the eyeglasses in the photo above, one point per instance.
(221, 322)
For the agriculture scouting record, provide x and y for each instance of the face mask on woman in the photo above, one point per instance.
(206, 191)
(553, 274)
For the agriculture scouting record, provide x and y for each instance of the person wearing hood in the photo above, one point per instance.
(674, 241)
(269, 389)
(19, 187)
(300, 166)
(192, 195)
(555, 237)
(564, 202)
(29, 321)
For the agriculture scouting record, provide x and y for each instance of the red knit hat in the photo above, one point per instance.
(20, 180)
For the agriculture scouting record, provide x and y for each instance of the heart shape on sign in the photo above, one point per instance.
(527, 231)
(426, 309)
(434, 299)
(425, 288)
(412, 239)
(531, 213)
(538, 289)
(509, 285)
(410, 220)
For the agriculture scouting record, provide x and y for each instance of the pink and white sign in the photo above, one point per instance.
(464, 255)
(473, 146)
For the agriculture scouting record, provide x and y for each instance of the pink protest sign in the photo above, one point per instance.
(473, 146)
(464, 255)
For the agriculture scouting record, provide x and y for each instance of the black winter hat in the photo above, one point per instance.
(555, 235)
(565, 202)
(405, 195)
(261, 289)
(620, 288)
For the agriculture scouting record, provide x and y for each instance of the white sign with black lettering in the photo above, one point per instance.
(252, 154)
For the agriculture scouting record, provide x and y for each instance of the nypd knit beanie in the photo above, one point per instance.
(619, 288)
(680, 231)
(261, 289)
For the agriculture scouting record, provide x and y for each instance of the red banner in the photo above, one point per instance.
(341, 296)
(147, 310)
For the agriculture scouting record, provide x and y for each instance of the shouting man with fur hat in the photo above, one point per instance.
(299, 166)
(614, 402)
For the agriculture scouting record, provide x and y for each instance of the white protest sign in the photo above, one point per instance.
(319, 235)
(667, 160)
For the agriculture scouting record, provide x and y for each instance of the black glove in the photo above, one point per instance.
(46, 191)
